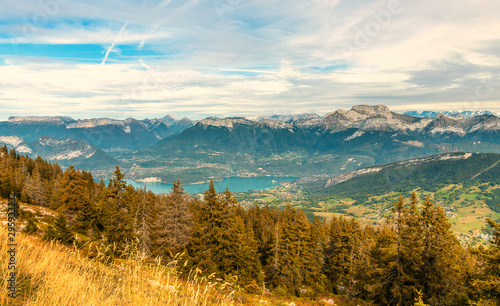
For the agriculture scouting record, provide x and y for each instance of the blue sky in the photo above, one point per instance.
(200, 58)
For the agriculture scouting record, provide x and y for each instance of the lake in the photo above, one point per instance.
(235, 184)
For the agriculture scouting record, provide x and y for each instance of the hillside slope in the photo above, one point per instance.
(429, 173)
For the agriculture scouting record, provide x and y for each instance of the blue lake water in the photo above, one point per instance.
(235, 184)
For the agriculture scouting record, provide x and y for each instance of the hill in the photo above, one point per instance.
(226, 251)
(53, 274)
(430, 173)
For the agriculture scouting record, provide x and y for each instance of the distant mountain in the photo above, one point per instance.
(466, 114)
(297, 145)
(236, 135)
(338, 142)
(14, 142)
(158, 127)
(286, 118)
(169, 119)
(107, 134)
(180, 125)
(66, 152)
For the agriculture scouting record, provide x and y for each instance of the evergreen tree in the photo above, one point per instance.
(284, 265)
(210, 233)
(50, 233)
(34, 189)
(142, 225)
(116, 213)
(220, 242)
(249, 263)
(342, 253)
(486, 280)
(316, 261)
(63, 233)
(31, 227)
(75, 201)
(59, 231)
(384, 278)
(173, 226)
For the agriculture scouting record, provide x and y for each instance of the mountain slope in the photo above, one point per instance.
(429, 173)
(66, 152)
(107, 134)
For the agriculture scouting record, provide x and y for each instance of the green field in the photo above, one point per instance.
(465, 206)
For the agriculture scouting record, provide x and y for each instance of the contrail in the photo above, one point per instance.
(113, 44)
(118, 36)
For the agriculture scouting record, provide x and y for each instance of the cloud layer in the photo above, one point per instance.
(242, 57)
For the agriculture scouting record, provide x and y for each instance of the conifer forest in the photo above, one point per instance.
(412, 258)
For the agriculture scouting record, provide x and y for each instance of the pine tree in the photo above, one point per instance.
(343, 252)
(63, 233)
(173, 226)
(59, 231)
(219, 236)
(142, 225)
(305, 248)
(31, 227)
(116, 213)
(249, 265)
(34, 189)
(486, 282)
(50, 233)
(284, 265)
(315, 262)
(75, 201)
(384, 278)
(427, 256)
(210, 232)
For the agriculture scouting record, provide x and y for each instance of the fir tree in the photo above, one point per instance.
(142, 225)
(212, 222)
(50, 233)
(342, 253)
(117, 223)
(31, 227)
(173, 226)
(486, 282)
(62, 232)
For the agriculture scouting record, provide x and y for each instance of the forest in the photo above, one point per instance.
(413, 257)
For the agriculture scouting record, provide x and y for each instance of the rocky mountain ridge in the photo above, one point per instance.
(371, 118)
(467, 114)
(63, 151)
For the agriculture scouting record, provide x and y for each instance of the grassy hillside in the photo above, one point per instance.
(51, 274)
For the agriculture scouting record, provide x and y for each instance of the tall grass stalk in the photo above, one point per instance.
(52, 274)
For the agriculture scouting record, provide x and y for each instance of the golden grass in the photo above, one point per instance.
(51, 274)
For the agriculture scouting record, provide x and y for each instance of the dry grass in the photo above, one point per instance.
(51, 274)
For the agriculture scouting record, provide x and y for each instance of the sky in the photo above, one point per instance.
(199, 58)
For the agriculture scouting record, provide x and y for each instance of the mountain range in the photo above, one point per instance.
(298, 145)
(338, 142)
(110, 135)
(456, 114)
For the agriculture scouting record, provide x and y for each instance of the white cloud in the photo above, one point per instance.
(253, 56)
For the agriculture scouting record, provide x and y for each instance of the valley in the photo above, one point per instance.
(467, 207)
(213, 148)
